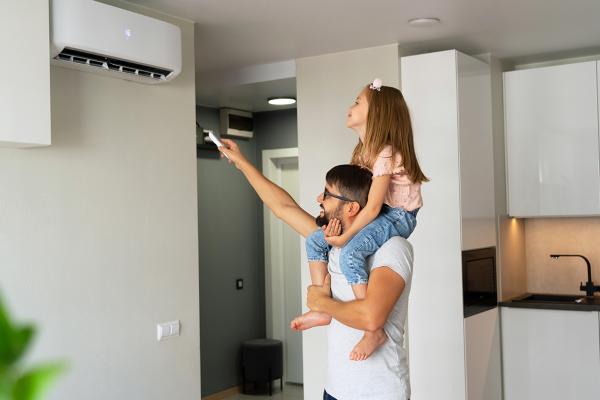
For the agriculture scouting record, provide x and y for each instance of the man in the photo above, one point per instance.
(384, 375)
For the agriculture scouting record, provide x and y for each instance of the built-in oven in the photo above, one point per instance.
(479, 280)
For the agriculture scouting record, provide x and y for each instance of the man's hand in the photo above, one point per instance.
(333, 232)
(317, 294)
(233, 152)
(333, 228)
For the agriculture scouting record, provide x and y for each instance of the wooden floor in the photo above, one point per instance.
(290, 392)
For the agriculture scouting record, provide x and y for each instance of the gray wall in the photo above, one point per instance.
(276, 130)
(98, 234)
(231, 247)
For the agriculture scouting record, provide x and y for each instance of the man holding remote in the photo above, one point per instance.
(384, 375)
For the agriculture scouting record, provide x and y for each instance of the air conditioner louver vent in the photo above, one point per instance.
(112, 64)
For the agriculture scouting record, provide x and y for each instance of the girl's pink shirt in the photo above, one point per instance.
(402, 193)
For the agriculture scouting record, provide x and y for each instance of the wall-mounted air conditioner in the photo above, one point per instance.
(96, 37)
(236, 123)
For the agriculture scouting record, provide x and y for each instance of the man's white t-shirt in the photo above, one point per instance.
(384, 375)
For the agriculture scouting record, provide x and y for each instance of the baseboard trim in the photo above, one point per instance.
(224, 394)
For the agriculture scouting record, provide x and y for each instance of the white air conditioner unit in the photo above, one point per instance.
(236, 123)
(96, 37)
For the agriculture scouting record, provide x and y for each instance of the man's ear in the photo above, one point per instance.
(353, 209)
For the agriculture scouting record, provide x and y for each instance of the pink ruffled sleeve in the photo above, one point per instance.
(384, 164)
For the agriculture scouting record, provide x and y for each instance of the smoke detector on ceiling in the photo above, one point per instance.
(424, 22)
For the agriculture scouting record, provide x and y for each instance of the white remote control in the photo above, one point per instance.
(216, 141)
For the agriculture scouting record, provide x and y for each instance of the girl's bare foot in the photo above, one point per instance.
(310, 320)
(367, 345)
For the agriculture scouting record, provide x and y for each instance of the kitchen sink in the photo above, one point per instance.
(555, 302)
(551, 298)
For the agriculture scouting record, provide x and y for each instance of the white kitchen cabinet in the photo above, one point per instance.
(477, 207)
(449, 97)
(25, 74)
(550, 354)
(552, 149)
(482, 355)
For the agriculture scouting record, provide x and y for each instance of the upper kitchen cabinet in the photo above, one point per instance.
(552, 149)
(25, 74)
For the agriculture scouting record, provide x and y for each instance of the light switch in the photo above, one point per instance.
(239, 284)
(175, 328)
(166, 330)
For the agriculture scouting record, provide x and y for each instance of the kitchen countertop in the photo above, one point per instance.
(588, 304)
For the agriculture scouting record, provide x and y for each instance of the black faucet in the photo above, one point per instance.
(589, 287)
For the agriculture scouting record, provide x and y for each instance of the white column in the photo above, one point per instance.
(435, 315)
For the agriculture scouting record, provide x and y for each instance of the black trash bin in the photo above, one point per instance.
(262, 361)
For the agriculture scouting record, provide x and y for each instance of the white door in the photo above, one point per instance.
(283, 287)
(292, 285)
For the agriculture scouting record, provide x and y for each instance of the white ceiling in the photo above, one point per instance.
(233, 34)
(250, 97)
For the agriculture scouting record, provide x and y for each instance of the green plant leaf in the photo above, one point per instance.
(6, 333)
(32, 384)
(21, 339)
(4, 390)
(13, 339)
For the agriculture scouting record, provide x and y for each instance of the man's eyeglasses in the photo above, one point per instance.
(328, 193)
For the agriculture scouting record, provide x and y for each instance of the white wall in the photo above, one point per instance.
(98, 234)
(326, 86)
(25, 76)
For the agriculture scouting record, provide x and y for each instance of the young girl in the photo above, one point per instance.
(381, 118)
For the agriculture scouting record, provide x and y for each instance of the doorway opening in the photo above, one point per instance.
(283, 294)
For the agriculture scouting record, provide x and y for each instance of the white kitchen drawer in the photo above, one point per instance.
(550, 354)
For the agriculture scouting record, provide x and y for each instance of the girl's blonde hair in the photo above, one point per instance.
(388, 123)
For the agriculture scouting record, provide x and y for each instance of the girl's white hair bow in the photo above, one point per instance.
(376, 84)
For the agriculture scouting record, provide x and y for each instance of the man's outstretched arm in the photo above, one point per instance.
(368, 314)
(274, 197)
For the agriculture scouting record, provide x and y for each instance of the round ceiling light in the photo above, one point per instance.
(424, 21)
(281, 101)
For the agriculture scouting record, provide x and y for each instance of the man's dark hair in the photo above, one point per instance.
(352, 181)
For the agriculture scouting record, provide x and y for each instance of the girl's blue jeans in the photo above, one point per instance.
(353, 257)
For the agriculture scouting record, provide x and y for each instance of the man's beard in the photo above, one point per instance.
(323, 220)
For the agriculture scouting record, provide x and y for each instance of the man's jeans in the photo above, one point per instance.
(327, 396)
